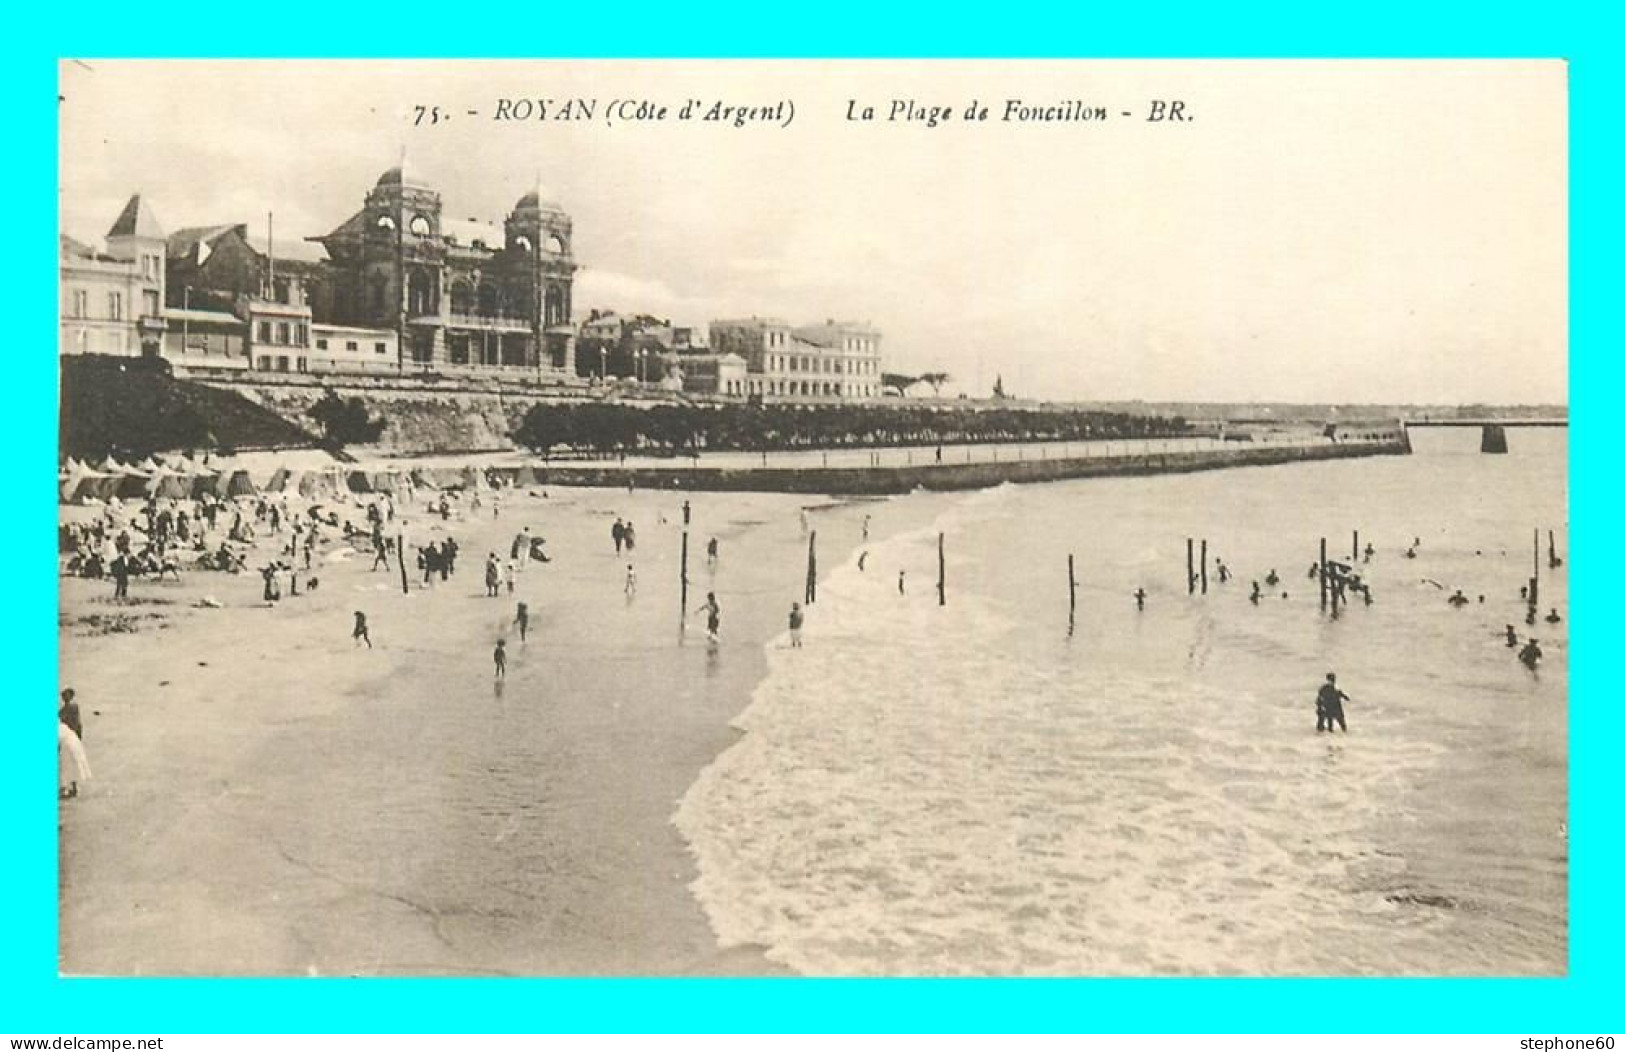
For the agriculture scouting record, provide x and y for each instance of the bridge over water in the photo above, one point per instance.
(1494, 438)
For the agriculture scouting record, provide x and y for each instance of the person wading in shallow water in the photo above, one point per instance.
(1329, 706)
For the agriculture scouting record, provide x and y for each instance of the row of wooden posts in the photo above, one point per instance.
(811, 594)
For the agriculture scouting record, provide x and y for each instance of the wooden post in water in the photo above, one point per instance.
(1322, 574)
(684, 573)
(1534, 581)
(1071, 591)
(1190, 566)
(942, 574)
(1204, 566)
(1551, 550)
(400, 556)
(812, 568)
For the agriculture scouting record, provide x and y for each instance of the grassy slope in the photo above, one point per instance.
(132, 408)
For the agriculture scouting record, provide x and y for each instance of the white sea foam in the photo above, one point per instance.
(927, 789)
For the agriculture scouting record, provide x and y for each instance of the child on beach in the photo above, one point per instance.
(359, 633)
(1329, 706)
(796, 618)
(500, 657)
(713, 617)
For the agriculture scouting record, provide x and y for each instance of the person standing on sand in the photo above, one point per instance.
(499, 657)
(631, 581)
(617, 533)
(493, 576)
(73, 765)
(380, 548)
(120, 569)
(711, 552)
(630, 535)
(522, 620)
(68, 713)
(1139, 598)
(359, 633)
(900, 574)
(508, 574)
(866, 527)
(796, 618)
(1329, 706)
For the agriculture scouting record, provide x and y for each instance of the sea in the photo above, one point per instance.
(1001, 782)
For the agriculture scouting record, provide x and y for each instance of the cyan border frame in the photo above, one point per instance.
(32, 999)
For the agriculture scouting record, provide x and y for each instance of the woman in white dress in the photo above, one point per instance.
(73, 766)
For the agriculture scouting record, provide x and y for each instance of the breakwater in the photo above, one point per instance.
(884, 481)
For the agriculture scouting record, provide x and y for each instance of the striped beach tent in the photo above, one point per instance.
(169, 485)
(206, 484)
(239, 484)
(95, 485)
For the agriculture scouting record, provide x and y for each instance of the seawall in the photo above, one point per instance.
(883, 481)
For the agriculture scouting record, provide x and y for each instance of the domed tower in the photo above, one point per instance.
(403, 259)
(538, 236)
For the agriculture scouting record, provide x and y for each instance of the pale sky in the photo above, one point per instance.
(1319, 231)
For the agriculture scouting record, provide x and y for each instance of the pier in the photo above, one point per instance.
(926, 473)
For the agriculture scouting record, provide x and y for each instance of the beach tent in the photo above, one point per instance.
(147, 466)
(205, 484)
(166, 485)
(238, 484)
(279, 481)
(331, 482)
(378, 481)
(96, 485)
(68, 481)
(132, 487)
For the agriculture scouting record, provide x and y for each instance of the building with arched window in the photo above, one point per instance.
(459, 295)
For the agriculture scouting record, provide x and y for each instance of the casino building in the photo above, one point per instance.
(399, 287)
(459, 295)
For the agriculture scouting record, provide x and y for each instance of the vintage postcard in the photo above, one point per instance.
(826, 518)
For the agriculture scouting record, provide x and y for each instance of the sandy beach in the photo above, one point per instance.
(271, 799)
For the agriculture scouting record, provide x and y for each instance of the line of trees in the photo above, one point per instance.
(607, 428)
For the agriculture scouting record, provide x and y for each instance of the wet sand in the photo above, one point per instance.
(270, 799)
